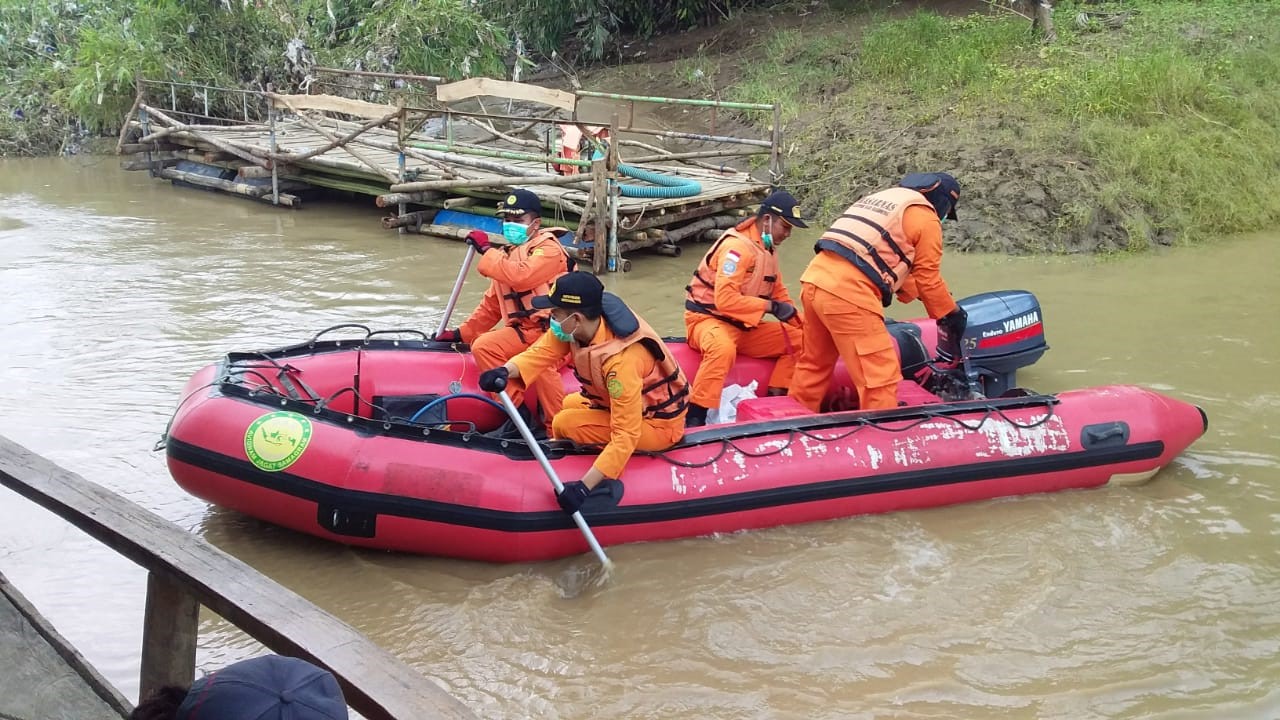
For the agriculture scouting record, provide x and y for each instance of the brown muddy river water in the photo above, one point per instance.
(1156, 601)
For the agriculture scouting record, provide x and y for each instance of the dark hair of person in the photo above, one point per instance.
(160, 705)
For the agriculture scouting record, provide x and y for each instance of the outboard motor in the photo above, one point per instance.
(1005, 332)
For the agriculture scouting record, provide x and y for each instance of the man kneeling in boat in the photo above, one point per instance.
(633, 395)
(524, 269)
(737, 283)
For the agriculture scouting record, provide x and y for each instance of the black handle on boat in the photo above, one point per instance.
(551, 473)
(399, 331)
(366, 330)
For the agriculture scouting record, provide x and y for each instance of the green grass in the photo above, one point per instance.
(1176, 112)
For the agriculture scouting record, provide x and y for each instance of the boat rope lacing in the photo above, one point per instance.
(727, 444)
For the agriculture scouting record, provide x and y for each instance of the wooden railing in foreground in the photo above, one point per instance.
(186, 572)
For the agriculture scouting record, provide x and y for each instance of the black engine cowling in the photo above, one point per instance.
(1005, 331)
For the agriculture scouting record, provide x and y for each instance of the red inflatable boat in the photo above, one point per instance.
(384, 441)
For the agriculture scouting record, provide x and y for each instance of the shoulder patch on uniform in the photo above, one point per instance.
(613, 385)
(536, 251)
(730, 264)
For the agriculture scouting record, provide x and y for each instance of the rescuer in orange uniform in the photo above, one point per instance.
(737, 283)
(886, 243)
(517, 273)
(634, 394)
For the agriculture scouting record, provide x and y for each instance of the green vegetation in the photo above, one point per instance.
(1167, 127)
(73, 62)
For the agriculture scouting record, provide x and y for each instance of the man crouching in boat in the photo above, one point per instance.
(524, 269)
(737, 283)
(634, 394)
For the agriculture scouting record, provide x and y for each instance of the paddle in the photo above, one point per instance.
(457, 290)
(551, 473)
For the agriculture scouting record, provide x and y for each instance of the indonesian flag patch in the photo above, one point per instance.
(730, 265)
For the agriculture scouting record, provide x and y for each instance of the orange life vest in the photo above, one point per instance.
(869, 235)
(762, 266)
(666, 390)
(515, 304)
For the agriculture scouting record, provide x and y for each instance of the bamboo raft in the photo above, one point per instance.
(423, 161)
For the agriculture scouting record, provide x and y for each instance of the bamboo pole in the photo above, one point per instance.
(492, 181)
(345, 138)
(203, 137)
(499, 134)
(417, 198)
(500, 154)
(775, 146)
(666, 155)
(673, 101)
(696, 154)
(408, 220)
(128, 119)
(252, 191)
(673, 135)
(599, 193)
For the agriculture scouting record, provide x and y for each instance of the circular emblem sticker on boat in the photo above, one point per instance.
(274, 441)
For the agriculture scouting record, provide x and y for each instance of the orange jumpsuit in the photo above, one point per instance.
(517, 274)
(844, 317)
(731, 291)
(614, 408)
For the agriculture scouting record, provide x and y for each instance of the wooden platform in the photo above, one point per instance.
(469, 161)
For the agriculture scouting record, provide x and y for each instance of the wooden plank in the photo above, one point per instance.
(332, 103)
(170, 625)
(377, 684)
(474, 87)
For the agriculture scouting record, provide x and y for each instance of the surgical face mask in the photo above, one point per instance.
(558, 330)
(767, 236)
(942, 220)
(515, 233)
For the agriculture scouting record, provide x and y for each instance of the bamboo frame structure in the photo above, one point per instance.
(454, 158)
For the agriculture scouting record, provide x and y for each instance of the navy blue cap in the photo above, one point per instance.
(519, 202)
(572, 291)
(784, 205)
(940, 189)
(271, 687)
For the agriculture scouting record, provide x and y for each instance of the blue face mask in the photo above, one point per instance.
(515, 233)
(768, 240)
(558, 331)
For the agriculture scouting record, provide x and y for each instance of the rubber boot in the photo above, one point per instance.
(696, 416)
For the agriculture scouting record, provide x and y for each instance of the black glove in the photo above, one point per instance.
(494, 380)
(479, 240)
(783, 311)
(449, 336)
(572, 497)
(955, 322)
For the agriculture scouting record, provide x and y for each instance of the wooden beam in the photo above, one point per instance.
(374, 682)
(473, 87)
(170, 625)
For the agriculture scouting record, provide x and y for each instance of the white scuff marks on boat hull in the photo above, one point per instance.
(1005, 439)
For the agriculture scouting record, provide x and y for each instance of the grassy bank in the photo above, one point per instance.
(1165, 129)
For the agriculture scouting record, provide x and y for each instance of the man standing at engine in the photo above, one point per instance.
(888, 242)
(737, 283)
(519, 272)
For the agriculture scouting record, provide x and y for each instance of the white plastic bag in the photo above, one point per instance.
(729, 399)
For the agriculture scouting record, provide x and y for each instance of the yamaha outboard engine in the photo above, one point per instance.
(1004, 332)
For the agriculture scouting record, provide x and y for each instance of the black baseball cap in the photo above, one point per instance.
(784, 205)
(520, 202)
(572, 291)
(271, 686)
(940, 189)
